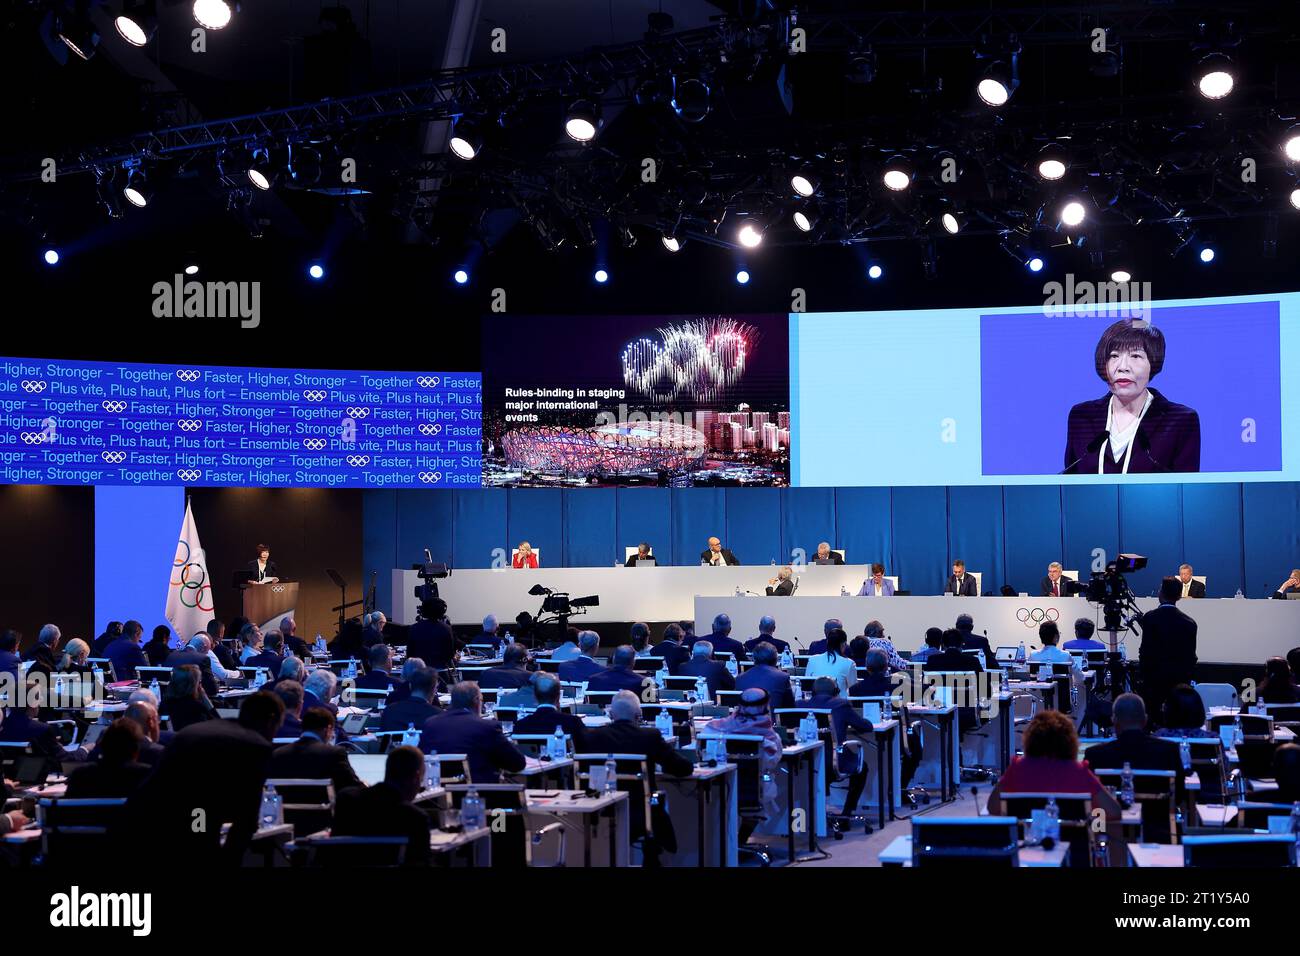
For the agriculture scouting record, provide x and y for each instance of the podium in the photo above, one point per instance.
(266, 604)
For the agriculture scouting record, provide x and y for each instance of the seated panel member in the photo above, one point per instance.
(643, 553)
(782, 585)
(1290, 586)
(876, 585)
(1191, 589)
(959, 582)
(824, 555)
(717, 556)
(1054, 585)
(768, 676)
(767, 633)
(524, 556)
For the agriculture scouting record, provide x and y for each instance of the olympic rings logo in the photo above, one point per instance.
(430, 477)
(314, 395)
(114, 406)
(276, 588)
(358, 461)
(427, 381)
(32, 438)
(193, 580)
(113, 457)
(358, 412)
(315, 444)
(34, 385)
(188, 374)
(1032, 617)
(189, 424)
(189, 474)
(430, 428)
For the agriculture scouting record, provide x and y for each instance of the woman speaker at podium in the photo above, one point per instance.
(262, 569)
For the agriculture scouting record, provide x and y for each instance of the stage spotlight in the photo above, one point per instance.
(1291, 145)
(213, 14)
(875, 271)
(1035, 264)
(259, 170)
(304, 165)
(583, 121)
(137, 191)
(77, 32)
(601, 276)
(1121, 275)
(316, 271)
(671, 243)
(137, 22)
(742, 277)
(749, 235)
(461, 276)
(1215, 76)
(951, 222)
(898, 174)
(466, 140)
(1295, 198)
(805, 219)
(1073, 213)
(1206, 255)
(998, 82)
(690, 99)
(1051, 162)
(804, 183)
(51, 257)
(192, 269)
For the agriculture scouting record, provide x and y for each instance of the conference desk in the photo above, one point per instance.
(899, 853)
(599, 825)
(704, 812)
(1230, 630)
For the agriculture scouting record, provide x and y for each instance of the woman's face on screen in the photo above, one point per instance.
(1128, 370)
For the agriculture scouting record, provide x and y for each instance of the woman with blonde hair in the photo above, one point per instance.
(74, 657)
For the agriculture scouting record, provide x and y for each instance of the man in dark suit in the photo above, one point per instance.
(462, 730)
(430, 638)
(819, 646)
(272, 655)
(642, 553)
(548, 716)
(1055, 584)
(196, 653)
(118, 772)
(10, 662)
(620, 675)
(21, 725)
(313, 755)
(158, 647)
(970, 641)
(703, 665)
(768, 676)
(1141, 751)
(766, 635)
(145, 716)
(379, 677)
(386, 809)
(294, 644)
(417, 707)
(1190, 587)
(878, 682)
(824, 555)
(111, 633)
(718, 556)
(951, 657)
(582, 667)
(783, 584)
(291, 694)
(1167, 656)
(125, 654)
(212, 773)
(722, 640)
(512, 672)
(959, 582)
(671, 649)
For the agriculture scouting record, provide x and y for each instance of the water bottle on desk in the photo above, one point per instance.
(1126, 786)
(807, 729)
(1185, 755)
(410, 736)
(664, 724)
(157, 691)
(1020, 653)
(887, 709)
(739, 592)
(844, 592)
(732, 667)
(611, 776)
(1053, 828)
(432, 770)
(272, 807)
(661, 678)
(787, 659)
(471, 811)
(556, 748)
(702, 690)
(1239, 594)
(1260, 708)
(320, 644)
(350, 670)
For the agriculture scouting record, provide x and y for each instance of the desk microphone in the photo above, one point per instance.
(1094, 446)
(428, 558)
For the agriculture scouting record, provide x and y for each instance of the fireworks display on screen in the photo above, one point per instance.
(701, 359)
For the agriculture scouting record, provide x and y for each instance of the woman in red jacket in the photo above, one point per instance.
(524, 556)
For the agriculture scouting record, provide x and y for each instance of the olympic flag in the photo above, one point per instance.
(189, 595)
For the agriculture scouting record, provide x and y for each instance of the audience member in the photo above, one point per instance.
(159, 646)
(313, 756)
(1084, 628)
(463, 730)
(511, 672)
(1051, 765)
(833, 663)
(118, 772)
(379, 675)
(1183, 714)
(1278, 685)
(291, 694)
(767, 634)
(430, 638)
(584, 665)
(386, 809)
(819, 646)
(417, 707)
(970, 641)
(184, 701)
(703, 665)
(672, 649)
(768, 676)
(722, 641)
(933, 645)
(548, 716)
(620, 675)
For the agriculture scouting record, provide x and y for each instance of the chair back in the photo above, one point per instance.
(505, 805)
(1156, 791)
(1217, 695)
(349, 852)
(536, 745)
(745, 751)
(1210, 765)
(1255, 816)
(635, 775)
(965, 842)
(82, 829)
(308, 803)
(1075, 810)
(1240, 850)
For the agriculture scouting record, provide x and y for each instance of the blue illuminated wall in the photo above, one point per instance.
(136, 530)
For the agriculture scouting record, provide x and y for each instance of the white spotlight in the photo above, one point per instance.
(1072, 213)
(950, 224)
(1121, 275)
(212, 14)
(1295, 198)
(671, 243)
(749, 236)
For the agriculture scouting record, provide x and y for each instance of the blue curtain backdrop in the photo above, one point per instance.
(1239, 536)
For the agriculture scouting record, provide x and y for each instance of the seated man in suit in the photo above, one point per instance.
(568, 650)
(703, 665)
(1132, 744)
(582, 667)
(959, 582)
(159, 646)
(291, 694)
(511, 672)
(386, 808)
(548, 716)
(877, 585)
(642, 553)
(824, 555)
(184, 701)
(878, 682)
(671, 648)
(417, 706)
(490, 635)
(125, 653)
(717, 556)
(819, 646)
(196, 653)
(1290, 586)
(380, 674)
(768, 676)
(320, 689)
(462, 730)
(402, 682)
(272, 654)
(145, 716)
(118, 772)
(313, 755)
(933, 644)
(294, 644)
(1191, 589)
(783, 584)
(620, 675)
(1054, 585)
(430, 638)
(951, 657)
(844, 718)
(20, 725)
(767, 635)
(1084, 628)
(722, 640)
(975, 642)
